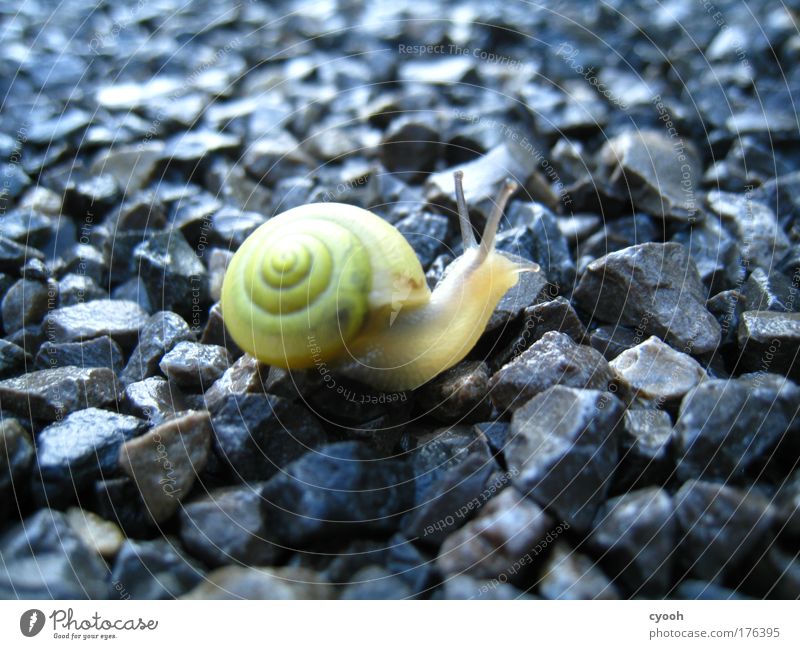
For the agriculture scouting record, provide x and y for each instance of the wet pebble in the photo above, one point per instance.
(97, 352)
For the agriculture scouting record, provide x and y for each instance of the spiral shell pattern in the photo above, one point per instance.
(297, 291)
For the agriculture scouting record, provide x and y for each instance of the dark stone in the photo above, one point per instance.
(165, 462)
(118, 319)
(119, 500)
(703, 590)
(276, 157)
(43, 558)
(553, 315)
(715, 252)
(159, 335)
(97, 352)
(573, 576)
(239, 582)
(232, 226)
(375, 583)
(655, 288)
(463, 587)
(770, 341)
(754, 225)
(153, 399)
(74, 289)
(93, 196)
(721, 529)
(410, 146)
(257, 435)
(433, 454)
(563, 450)
(611, 341)
(194, 146)
(195, 365)
(13, 255)
(27, 227)
(49, 394)
(246, 375)
(86, 261)
(483, 178)
(156, 569)
(727, 426)
(726, 307)
(451, 501)
(16, 457)
(12, 359)
(133, 291)
(526, 292)
(646, 168)
(536, 236)
(769, 292)
(342, 489)
(131, 165)
(653, 373)
(228, 526)
(647, 450)
(174, 276)
(499, 542)
(81, 448)
(554, 359)
(459, 394)
(637, 533)
(426, 233)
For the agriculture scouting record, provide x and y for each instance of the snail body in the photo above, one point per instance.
(334, 283)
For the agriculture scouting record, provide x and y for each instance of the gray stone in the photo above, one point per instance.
(81, 448)
(26, 303)
(228, 526)
(194, 365)
(118, 319)
(154, 399)
(16, 457)
(49, 394)
(563, 450)
(769, 292)
(238, 582)
(157, 569)
(257, 435)
(12, 359)
(525, 293)
(754, 225)
(573, 576)
(637, 533)
(655, 288)
(459, 394)
(13, 255)
(660, 179)
(647, 450)
(410, 146)
(376, 583)
(770, 341)
(426, 233)
(174, 276)
(654, 373)
(727, 426)
(160, 334)
(74, 289)
(721, 529)
(43, 558)
(246, 375)
(499, 543)
(554, 359)
(97, 352)
(165, 462)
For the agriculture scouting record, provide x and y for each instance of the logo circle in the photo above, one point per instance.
(31, 622)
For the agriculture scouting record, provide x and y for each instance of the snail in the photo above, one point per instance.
(333, 283)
